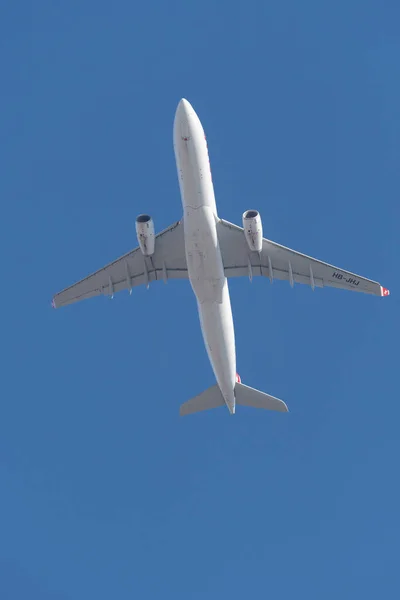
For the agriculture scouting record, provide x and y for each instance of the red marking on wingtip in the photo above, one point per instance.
(238, 380)
(385, 291)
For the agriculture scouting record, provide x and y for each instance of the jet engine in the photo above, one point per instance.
(145, 234)
(253, 230)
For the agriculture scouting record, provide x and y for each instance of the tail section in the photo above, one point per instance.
(247, 396)
(244, 395)
(211, 398)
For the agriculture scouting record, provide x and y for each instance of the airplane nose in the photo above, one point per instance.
(183, 115)
(184, 109)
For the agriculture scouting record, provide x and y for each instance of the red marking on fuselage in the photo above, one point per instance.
(238, 380)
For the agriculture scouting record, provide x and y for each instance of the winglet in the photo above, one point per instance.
(53, 303)
(384, 291)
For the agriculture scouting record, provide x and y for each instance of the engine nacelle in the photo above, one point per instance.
(145, 234)
(253, 230)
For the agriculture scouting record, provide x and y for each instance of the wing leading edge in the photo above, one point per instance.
(133, 269)
(279, 262)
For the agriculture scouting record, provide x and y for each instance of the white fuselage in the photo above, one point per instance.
(204, 261)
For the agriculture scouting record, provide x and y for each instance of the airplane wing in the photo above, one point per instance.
(278, 262)
(133, 269)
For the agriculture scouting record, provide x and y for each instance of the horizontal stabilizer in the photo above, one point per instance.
(247, 396)
(211, 398)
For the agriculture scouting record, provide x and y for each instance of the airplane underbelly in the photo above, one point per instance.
(203, 255)
(206, 275)
(218, 333)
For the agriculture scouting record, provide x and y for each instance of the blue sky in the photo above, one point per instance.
(104, 491)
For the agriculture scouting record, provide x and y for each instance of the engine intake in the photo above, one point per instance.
(253, 230)
(145, 234)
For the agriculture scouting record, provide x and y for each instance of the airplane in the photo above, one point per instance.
(208, 250)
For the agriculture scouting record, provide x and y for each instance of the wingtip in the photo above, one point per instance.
(53, 303)
(384, 291)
